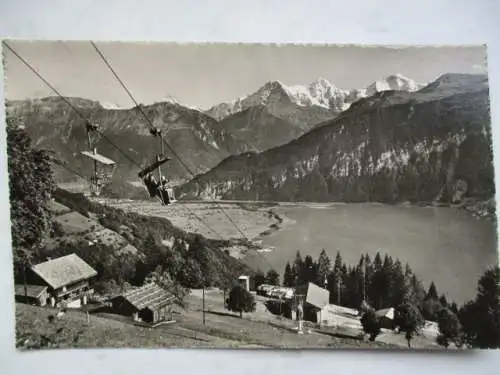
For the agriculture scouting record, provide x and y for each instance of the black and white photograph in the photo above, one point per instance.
(272, 196)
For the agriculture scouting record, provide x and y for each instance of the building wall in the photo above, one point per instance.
(121, 306)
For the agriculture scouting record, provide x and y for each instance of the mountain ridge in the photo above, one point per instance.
(393, 146)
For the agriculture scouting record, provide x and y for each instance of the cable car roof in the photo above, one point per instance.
(101, 159)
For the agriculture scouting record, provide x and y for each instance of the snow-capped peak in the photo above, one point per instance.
(320, 93)
(109, 105)
(393, 82)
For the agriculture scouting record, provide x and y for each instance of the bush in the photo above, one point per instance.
(371, 324)
(240, 300)
(409, 319)
(449, 327)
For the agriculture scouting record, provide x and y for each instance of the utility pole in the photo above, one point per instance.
(338, 291)
(203, 302)
(364, 280)
(25, 265)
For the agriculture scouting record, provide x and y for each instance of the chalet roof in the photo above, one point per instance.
(34, 291)
(386, 313)
(64, 270)
(316, 296)
(149, 296)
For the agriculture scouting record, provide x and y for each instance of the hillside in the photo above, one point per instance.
(197, 138)
(126, 246)
(425, 146)
(260, 129)
(223, 330)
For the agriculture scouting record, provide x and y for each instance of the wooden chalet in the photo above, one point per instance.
(149, 303)
(68, 280)
(32, 294)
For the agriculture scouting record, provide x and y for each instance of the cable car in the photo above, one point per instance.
(104, 167)
(157, 187)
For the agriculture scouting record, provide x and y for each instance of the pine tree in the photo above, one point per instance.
(399, 284)
(443, 301)
(432, 292)
(488, 310)
(378, 284)
(309, 270)
(323, 268)
(298, 269)
(288, 276)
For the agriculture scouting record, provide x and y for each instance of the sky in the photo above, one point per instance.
(203, 75)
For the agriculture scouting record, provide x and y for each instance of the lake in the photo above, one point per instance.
(444, 245)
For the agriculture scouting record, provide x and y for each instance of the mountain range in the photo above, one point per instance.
(274, 115)
(196, 138)
(429, 145)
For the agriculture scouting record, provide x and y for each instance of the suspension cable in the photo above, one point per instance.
(108, 64)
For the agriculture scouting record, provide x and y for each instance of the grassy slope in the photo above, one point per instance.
(188, 331)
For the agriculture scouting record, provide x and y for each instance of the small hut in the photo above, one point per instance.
(32, 294)
(149, 303)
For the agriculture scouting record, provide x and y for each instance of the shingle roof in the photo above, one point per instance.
(33, 290)
(150, 295)
(64, 270)
(315, 295)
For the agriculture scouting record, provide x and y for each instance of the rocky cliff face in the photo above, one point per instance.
(429, 145)
(198, 139)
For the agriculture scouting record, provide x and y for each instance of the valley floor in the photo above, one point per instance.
(250, 218)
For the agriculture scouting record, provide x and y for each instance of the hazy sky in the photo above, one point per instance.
(205, 75)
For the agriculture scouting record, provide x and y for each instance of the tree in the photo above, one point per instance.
(310, 274)
(449, 327)
(288, 276)
(399, 284)
(31, 185)
(487, 310)
(272, 277)
(323, 268)
(430, 309)
(164, 280)
(191, 275)
(298, 269)
(240, 300)
(371, 323)
(259, 279)
(409, 320)
(432, 292)
(443, 301)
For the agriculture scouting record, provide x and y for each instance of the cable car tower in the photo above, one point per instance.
(103, 166)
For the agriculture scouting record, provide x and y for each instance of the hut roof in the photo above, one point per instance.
(386, 313)
(149, 296)
(64, 270)
(316, 296)
(33, 291)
